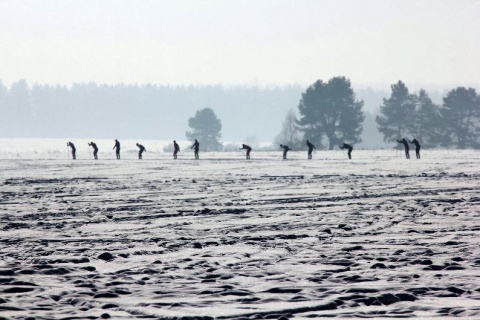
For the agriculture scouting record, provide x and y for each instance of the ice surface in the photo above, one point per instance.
(378, 236)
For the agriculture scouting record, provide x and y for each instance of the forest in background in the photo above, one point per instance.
(90, 110)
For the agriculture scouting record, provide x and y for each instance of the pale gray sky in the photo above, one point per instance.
(435, 42)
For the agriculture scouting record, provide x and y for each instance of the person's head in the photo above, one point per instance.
(174, 141)
(138, 145)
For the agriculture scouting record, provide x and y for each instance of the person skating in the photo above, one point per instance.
(196, 147)
(74, 150)
(176, 149)
(95, 149)
(248, 148)
(310, 149)
(349, 148)
(117, 148)
(417, 147)
(141, 150)
(285, 150)
(407, 148)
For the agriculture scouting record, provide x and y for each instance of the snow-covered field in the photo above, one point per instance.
(378, 236)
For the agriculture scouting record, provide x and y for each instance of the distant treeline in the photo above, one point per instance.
(330, 114)
(89, 110)
(454, 123)
(140, 111)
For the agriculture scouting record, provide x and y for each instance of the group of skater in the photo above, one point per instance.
(196, 149)
(311, 147)
(407, 148)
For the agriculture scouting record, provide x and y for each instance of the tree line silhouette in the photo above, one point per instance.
(328, 113)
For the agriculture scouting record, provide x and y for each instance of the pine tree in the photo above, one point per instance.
(396, 114)
(331, 110)
(461, 113)
(206, 129)
(427, 122)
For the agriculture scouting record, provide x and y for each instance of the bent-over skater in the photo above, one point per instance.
(196, 147)
(407, 148)
(74, 150)
(95, 149)
(117, 148)
(310, 149)
(349, 148)
(285, 150)
(248, 148)
(141, 150)
(417, 147)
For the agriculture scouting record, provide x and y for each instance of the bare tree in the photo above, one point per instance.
(290, 134)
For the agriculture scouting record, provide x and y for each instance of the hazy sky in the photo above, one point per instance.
(240, 42)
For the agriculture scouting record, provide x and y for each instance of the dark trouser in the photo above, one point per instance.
(74, 155)
(118, 154)
(175, 154)
(95, 154)
(349, 154)
(248, 154)
(140, 154)
(284, 154)
(196, 154)
(310, 153)
(407, 153)
(417, 153)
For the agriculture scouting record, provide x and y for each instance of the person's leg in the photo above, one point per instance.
(349, 154)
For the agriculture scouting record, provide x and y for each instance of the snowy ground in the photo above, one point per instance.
(375, 237)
